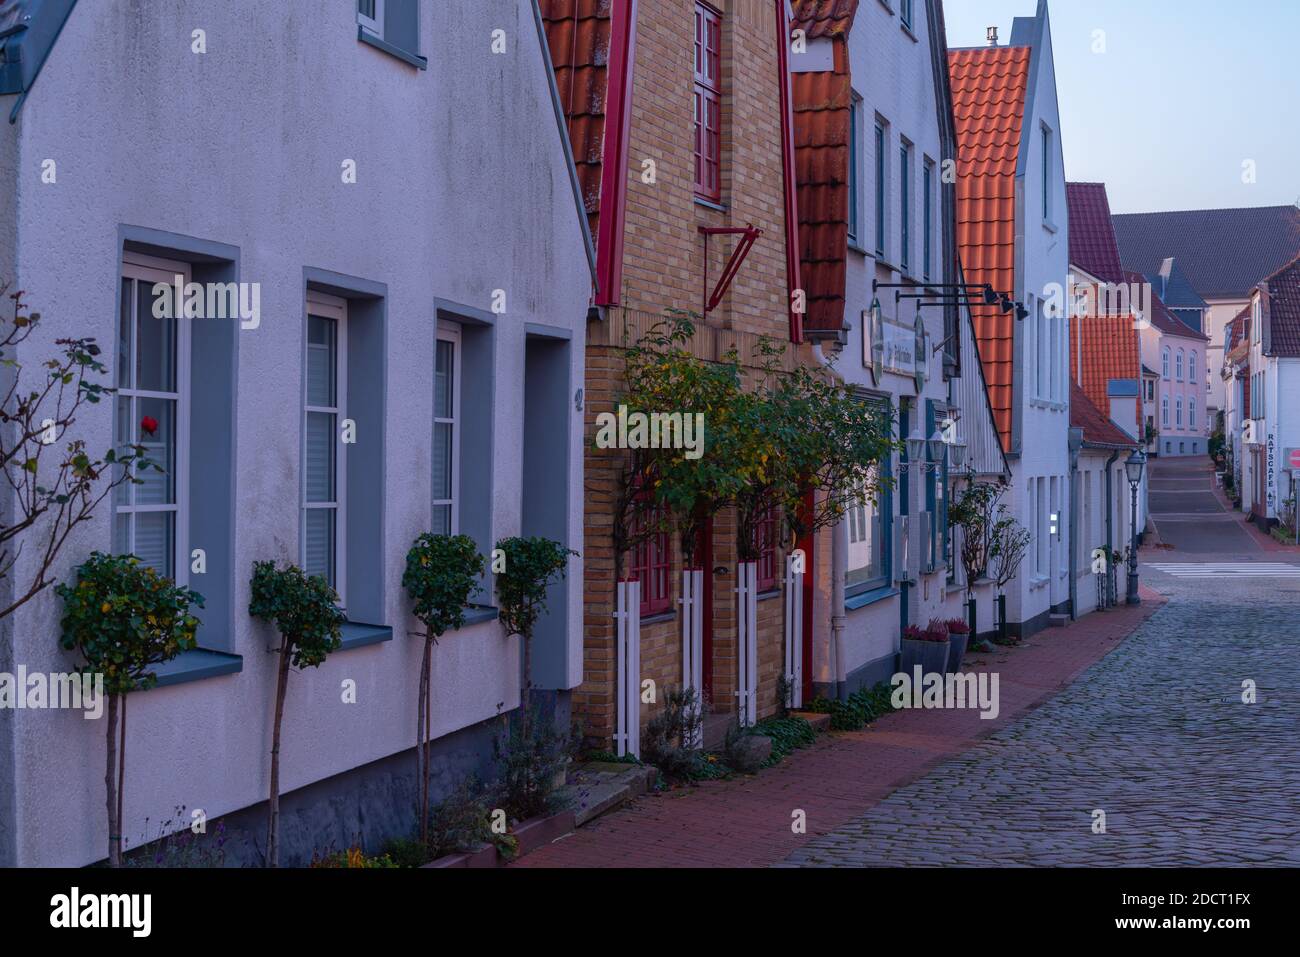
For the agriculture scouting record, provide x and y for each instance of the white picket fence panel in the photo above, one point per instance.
(627, 617)
(794, 630)
(692, 602)
(747, 643)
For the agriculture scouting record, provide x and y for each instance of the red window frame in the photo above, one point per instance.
(651, 565)
(708, 103)
(765, 536)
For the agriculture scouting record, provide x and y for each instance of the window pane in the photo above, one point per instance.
(321, 361)
(443, 386)
(121, 534)
(442, 457)
(865, 558)
(441, 520)
(155, 540)
(366, 8)
(320, 457)
(123, 435)
(156, 348)
(318, 547)
(124, 337)
(160, 449)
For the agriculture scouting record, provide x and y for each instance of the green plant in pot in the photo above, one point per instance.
(305, 611)
(924, 647)
(441, 573)
(124, 618)
(958, 638)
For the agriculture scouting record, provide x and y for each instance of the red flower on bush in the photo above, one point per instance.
(149, 425)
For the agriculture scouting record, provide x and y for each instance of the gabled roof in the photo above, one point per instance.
(1175, 288)
(1098, 430)
(1238, 329)
(1224, 252)
(1284, 311)
(824, 18)
(1104, 351)
(1092, 236)
(1160, 316)
(988, 89)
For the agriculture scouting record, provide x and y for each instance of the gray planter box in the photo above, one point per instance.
(932, 656)
(956, 651)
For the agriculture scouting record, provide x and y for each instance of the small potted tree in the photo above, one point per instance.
(306, 613)
(1008, 543)
(442, 571)
(124, 618)
(958, 637)
(927, 647)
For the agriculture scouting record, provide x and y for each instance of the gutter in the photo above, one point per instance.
(793, 280)
(613, 171)
(839, 562)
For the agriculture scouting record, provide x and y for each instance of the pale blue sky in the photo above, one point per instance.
(1185, 92)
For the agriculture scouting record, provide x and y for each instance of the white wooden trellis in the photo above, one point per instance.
(747, 643)
(627, 619)
(794, 629)
(692, 602)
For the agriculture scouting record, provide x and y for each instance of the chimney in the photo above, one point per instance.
(993, 36)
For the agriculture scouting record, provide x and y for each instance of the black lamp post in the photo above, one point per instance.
(1133, 467)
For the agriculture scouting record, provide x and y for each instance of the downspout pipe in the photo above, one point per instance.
(1075, 444)
(1110, 518)
(839, 562)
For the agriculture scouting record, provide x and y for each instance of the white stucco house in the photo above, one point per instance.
(873, 118)
(1013, 223)
(392, 177)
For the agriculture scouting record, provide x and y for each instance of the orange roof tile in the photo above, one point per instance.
(1110, 347)
(1097, 428)
(988, 90)
(822, 105)
(578, 34)
(824, 18)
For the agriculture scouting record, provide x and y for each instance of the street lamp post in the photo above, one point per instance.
(1133, 467)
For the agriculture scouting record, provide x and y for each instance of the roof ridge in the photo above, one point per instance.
(1211, 209)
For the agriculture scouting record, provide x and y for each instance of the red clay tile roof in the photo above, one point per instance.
(1097, 428)
(1160, 316)
(824, 18)
(822, 105)
(1092, 234)
(1111, 349)
(578, 32)
(988, 90)
(1284, 311)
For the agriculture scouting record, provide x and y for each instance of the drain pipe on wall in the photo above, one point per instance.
(839, 562)
(1110, 520)
(1075, 443)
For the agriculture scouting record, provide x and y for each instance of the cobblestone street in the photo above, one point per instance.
(1155, 735)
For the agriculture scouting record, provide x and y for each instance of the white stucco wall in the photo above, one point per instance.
(1042, 268)
(462, 188)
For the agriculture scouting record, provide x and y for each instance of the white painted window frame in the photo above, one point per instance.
(152, 269)
(328, 307)
(450, 332)
(372, 25)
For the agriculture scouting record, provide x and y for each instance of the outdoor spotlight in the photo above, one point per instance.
(1007, 304)
(990, 297)
(1021, 312)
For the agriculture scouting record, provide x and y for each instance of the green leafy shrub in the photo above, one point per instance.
(531, 755)
(862, 708)
(531, 565)
(124, 619)
(667, 741)
(305, 611)
(787, 734)
(353, 857)
(441, 573)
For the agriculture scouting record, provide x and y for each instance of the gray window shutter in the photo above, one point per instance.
(402, 28)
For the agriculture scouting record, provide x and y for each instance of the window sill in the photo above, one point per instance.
(196, 665)
(857, 247)
(657, 617)
(863, 599)
(379, 43)
(907, 28)
(710, 204)
(477, 614)
(770, 593)
(1050, 226)
(358, 635)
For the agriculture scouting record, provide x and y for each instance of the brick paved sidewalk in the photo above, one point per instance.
(745, 822)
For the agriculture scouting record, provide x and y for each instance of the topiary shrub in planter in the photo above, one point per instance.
(441, 573)
(958, 636)
(667, 740)
(927, 647)
(305, 611)
(124, 618)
